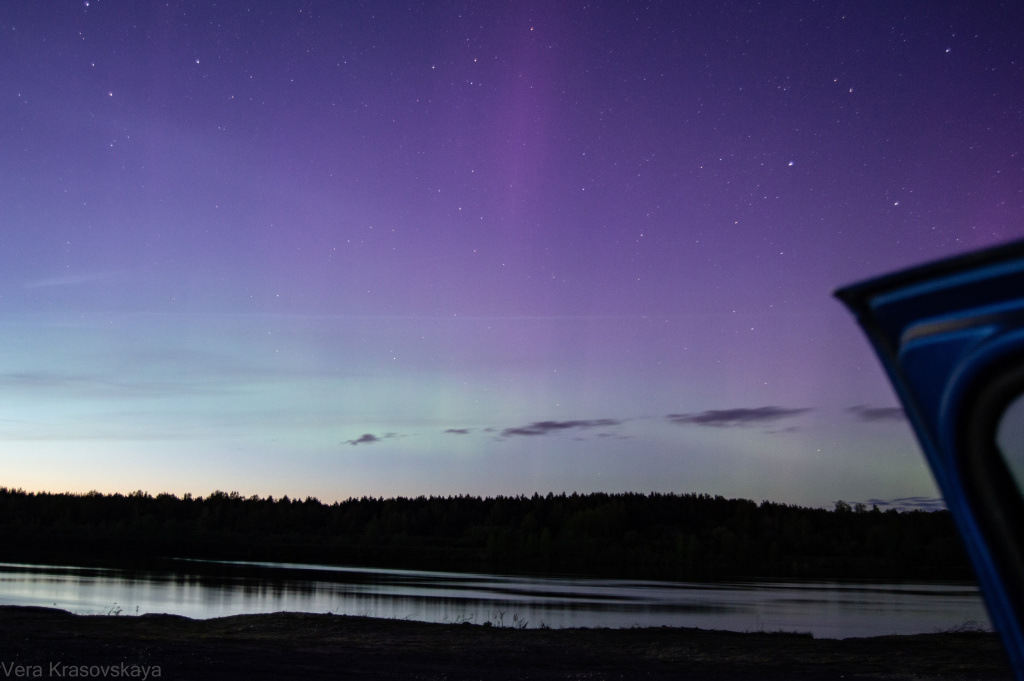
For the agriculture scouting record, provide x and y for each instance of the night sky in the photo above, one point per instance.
(391, 248)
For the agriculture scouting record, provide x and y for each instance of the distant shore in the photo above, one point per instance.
(51, 643)
(675, 537)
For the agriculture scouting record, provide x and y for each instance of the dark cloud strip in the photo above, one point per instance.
(457, 431)
(370, 438)
(365, 439)
(546, 427)
(911, 503)
(730, 418)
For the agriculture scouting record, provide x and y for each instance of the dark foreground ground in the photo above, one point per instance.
(51, 643)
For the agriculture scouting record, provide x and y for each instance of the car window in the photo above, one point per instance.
(1010, 440)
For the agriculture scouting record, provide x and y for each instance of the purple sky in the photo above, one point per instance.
(320, 249)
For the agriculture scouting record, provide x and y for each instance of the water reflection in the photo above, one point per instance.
(203, 589)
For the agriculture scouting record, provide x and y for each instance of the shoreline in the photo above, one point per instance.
(310, 646)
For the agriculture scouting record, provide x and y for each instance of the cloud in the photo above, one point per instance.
(369, 439)
(616, 436)
(41, 379)
(787, 429)
(458, 431)
(875, 414)
(910, 503)
(546, 427)
(730, 418)
(70, 280)
(99, 385)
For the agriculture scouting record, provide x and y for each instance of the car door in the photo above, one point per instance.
(950, 335)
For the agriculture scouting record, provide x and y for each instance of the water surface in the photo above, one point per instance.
(201, 589)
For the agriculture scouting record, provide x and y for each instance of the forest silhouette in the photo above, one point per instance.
(653, 536)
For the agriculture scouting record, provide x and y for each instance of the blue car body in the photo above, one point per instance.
(950, 335)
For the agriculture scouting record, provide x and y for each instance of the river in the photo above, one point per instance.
(204, 589)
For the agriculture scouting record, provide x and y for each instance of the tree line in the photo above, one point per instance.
(645, 536)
